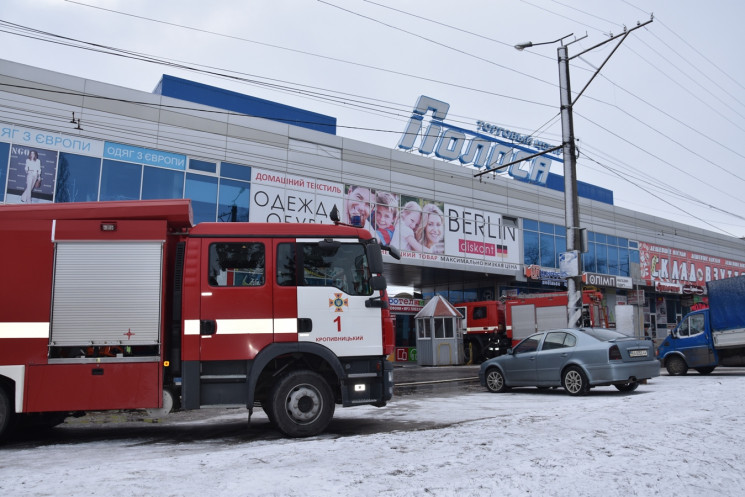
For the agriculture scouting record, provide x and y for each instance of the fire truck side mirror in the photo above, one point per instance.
(374, 257)
(395, 253)
(378, 283)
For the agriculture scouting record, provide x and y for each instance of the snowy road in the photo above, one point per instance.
(674, 436)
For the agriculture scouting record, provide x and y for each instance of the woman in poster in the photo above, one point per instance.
(431, 230)
(33, 175)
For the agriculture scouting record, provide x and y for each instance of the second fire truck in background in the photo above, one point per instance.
(491, 327)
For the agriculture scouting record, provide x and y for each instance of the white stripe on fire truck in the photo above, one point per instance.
(24, 330)
(286, 325)
(245, 326)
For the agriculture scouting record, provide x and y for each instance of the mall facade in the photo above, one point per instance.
(462, 236)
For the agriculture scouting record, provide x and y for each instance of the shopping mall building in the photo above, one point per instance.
(463, 236)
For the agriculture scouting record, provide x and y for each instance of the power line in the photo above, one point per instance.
(661, 199)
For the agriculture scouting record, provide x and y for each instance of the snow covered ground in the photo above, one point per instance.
(680, 436)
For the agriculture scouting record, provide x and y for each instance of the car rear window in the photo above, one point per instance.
(603, 334)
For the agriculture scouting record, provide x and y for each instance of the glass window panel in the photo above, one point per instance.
(424, 328)
(529, 224)
(601, 256)
(160, 183)
(546, 228)
(4, 157)
(235, 171)
(120, 180)
(202, 190)
(286, 265)
(623, 242)
(234, 201)
(77, 178)
(455, 296)
(634, 256)
(612, 240)
(470, 295)
(554, 340)
(531, 248)
(601, 238)
(343, 267)
(613, 260)
(561, 244)
(236, 264)
(439, 328)
(448, 328)
(591, 236)
(588, 259)
(623, 262)
(548, 251)
(200, 165)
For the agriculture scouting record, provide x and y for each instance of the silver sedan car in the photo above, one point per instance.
(576, 359)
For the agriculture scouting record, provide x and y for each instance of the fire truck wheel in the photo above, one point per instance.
(7, 416)
(575, 381)
(676, 366)
(495, 381)
(302, 404)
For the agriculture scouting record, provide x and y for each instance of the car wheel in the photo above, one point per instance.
(676, 366)
(628, 387)
(575, 381)
(705, 370)
(495, 381)
(302, 404)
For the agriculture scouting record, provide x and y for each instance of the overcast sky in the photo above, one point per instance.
(662, 125)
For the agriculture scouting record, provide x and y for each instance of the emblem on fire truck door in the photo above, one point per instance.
(338, 302)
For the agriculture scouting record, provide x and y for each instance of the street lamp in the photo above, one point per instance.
(571, 202)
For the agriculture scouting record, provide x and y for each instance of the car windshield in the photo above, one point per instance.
(603, 334)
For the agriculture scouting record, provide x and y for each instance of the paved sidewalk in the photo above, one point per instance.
(409, 372)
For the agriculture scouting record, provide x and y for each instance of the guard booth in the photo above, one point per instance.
(438, 338)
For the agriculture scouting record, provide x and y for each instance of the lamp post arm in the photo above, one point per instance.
(623, 37)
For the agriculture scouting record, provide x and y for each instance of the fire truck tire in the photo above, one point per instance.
(495, 381)
(302, 404)
(7, 414)
(676, 366)
(574, 381)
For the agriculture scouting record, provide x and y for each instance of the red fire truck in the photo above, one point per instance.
(491, 327)
(126, 305)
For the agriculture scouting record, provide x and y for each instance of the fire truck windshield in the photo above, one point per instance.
(343, 266)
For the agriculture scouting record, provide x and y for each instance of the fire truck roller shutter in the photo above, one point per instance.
(107, 293)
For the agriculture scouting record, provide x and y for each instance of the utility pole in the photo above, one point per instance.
(571, 203)
(571, 198)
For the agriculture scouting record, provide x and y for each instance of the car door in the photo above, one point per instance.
(556, 350)
(521, 369)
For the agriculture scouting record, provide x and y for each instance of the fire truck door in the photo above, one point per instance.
(335, 299)
(236, 298)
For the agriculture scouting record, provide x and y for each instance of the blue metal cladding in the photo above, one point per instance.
(584, 190)
(191, 91)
